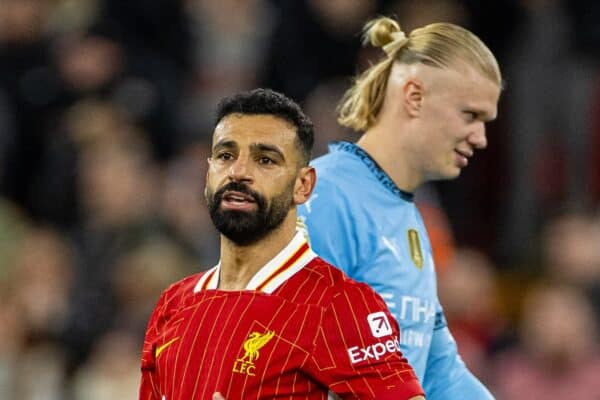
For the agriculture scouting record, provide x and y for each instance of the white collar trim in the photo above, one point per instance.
(295, 256)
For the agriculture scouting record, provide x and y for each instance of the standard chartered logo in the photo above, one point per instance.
(374, 351)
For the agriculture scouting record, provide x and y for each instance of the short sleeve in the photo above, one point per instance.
(148, 387)
(357, 353)
(446, 376)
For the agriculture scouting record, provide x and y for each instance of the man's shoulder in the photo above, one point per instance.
(336, 164)
(328, 281)
(339, 183)
(342, 178)
(179, 290)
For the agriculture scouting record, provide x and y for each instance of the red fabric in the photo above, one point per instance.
(317, 317)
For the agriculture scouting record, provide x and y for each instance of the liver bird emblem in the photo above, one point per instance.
(254, 343)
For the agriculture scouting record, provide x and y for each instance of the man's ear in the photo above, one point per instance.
(304, 185)
(413, 92)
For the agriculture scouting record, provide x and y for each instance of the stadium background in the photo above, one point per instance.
(105, 121)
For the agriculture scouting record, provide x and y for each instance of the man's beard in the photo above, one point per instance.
(243, 227)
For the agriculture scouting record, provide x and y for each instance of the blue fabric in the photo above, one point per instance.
(358, 220)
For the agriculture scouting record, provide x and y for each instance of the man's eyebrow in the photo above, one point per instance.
(486, 116)
(263, 147)
(224, 143)
(481, 114)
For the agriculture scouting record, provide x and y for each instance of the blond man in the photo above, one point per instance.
(423, 110)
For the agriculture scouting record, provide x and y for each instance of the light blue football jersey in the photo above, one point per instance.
(360, 221)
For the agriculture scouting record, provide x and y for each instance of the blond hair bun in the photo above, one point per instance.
(380, 31)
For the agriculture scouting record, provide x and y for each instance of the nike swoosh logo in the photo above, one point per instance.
(162, 347)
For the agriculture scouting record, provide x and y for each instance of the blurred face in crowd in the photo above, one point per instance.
(22, 20)
(451, 108)
(255, 176)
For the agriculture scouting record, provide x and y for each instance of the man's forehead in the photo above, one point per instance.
(256, 132)
(469, 85)
(255, 122)
(456, 74)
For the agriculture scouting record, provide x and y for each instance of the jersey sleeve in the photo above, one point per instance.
(356, 352)
(446, 375)
(328, 222)
(148, 390)
(148, 384)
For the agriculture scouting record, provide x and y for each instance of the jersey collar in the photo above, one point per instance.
(373, 166)
(295, 256)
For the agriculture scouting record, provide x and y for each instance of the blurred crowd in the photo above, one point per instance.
(105, 124)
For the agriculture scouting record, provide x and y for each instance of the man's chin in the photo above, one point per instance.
(446, 176)
(242, 240)
(452, 172)
(454, 175)
(240, 227)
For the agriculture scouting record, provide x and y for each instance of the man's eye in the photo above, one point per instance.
(265, 160)
(224, 156)
(471, 115)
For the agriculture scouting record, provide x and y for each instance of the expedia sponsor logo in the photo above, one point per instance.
(374, 351)
(256, 340)
(379, 324)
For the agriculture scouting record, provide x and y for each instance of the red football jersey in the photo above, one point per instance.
(300, 330)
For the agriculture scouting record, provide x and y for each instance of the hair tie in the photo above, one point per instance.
(399, 39)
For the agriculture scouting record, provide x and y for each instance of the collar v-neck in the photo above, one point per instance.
(295, 256)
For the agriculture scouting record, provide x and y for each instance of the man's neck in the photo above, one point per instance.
(389, 154)
(240, 263)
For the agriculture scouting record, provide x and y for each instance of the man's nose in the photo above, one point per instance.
(240, 170)
(478, 138)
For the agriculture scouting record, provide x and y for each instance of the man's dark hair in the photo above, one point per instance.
(267, 101)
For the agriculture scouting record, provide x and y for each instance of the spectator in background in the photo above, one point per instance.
(111, 371)
(551, 116)
(182, 182)
(557, 355)
(28, 94)
(306, 34)
(228, 56)
(140, 275)
(14, 226)
(12, 346)
(117, 187)
(44, 266)
(157, 40)
(321, 105)
(34, 313)
(571, 253)
(469, 293)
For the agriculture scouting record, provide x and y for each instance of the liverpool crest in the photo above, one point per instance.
(252, 345)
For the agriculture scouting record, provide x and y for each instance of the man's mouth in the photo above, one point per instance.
(238, 197)
(233, 200)
(463, 157)
(464, 153)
